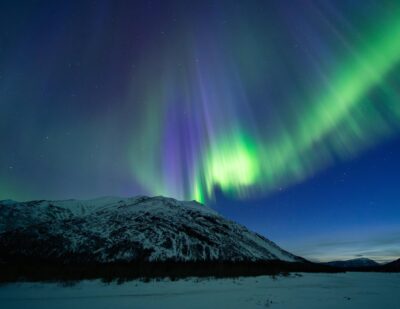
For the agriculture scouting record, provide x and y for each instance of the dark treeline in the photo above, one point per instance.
(35, 270)
(50, 271)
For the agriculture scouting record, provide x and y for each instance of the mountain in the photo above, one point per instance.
(354, 263)
(123, 230)
(392, 266)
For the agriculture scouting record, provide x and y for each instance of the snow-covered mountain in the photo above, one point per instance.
(354, 263)
(114, 229)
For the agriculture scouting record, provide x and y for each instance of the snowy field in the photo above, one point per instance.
(346, 290)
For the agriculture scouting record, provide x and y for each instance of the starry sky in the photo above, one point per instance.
(282, 115)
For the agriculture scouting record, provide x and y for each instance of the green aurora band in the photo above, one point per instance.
(338, 122)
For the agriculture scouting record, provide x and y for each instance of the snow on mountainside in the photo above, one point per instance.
(114, 229)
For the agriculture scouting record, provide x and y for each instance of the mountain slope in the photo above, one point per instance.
(354, 263)
(392, 266)
(113, 229)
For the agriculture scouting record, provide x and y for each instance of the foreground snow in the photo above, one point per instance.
(345, 290)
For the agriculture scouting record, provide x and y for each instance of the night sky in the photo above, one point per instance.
(282, 115)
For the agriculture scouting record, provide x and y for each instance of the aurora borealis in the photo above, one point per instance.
(224, 102)
(215, 141)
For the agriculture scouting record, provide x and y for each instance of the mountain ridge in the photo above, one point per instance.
(113, 229)
(353, 263)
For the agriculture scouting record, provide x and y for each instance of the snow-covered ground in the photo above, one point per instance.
(345, 290)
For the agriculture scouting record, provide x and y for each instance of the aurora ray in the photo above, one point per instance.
(210, 140)
(247, 98)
